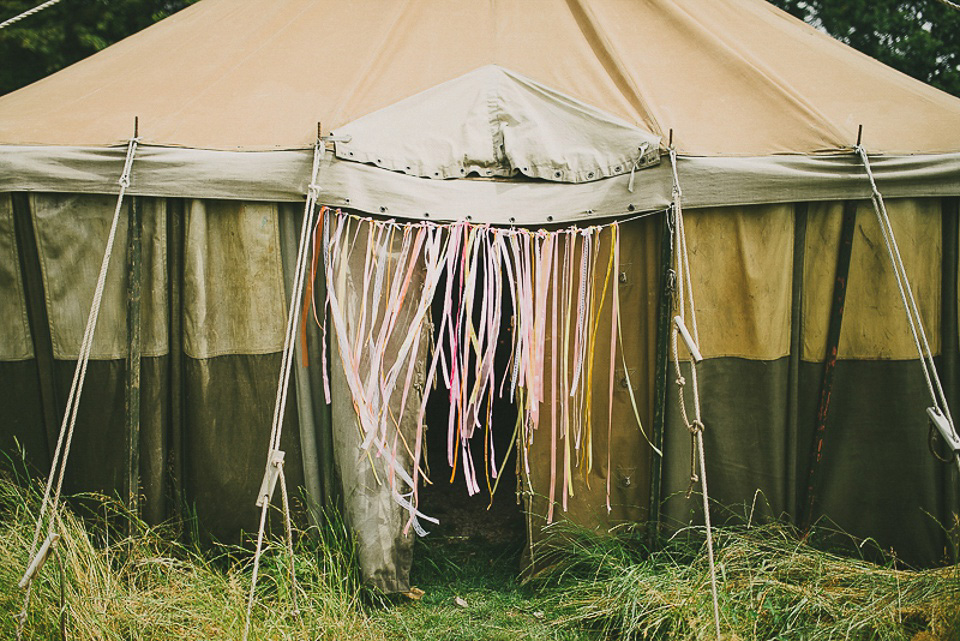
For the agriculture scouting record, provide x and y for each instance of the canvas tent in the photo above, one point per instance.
(527, 114)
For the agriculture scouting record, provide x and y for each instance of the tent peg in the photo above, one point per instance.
(270, 476)
(136, 126)
(670, 144)
(943, 426)
(42, 554)
(688, 340)
(859, 134)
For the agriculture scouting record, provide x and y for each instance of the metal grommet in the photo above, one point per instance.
(462, 170)
(590, 175)
(379, 162)
(351, 153)
(512, 219)
(469, 217)
(557, 174)
(618, 168)
(549, 218)
(436, 173)
(630, 207)
(346, 200)
(383, 209)
(426, 214)
(408, 167)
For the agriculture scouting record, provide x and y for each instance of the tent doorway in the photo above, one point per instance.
(494, 514)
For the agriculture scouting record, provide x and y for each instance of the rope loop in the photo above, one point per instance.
(671, 281)
(933, 437)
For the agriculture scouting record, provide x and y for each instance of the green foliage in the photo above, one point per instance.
(921, 38)
(67, 32)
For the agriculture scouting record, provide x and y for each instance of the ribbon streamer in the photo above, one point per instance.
(559, 290)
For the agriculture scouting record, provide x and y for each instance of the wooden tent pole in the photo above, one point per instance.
(796, 353)
(176, 213)
(815, 468)
(664, 312)
(132, 396)
(949, 349)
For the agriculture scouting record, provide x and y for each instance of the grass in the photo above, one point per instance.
(494, 604)
(773, 586)
(147, 587)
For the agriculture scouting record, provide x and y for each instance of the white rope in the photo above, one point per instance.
(28, 13)
(685, 283)
(62, 451)
(906, 296)
(289, 342)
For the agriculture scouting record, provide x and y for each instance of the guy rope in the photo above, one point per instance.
(938, 412)
(692, 342)
(51, 497)
(275, 456)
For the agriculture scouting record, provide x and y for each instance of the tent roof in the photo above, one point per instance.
(730, 77)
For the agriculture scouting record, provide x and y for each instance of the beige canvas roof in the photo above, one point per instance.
(731, 77)
(735, 80)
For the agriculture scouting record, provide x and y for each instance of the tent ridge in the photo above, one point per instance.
(611, 60)
(773, 81)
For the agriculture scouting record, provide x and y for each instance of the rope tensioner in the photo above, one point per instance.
(41, 557)
(939, 420)
(270, 476)
(688, 340)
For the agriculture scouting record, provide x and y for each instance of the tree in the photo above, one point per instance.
(919, 37)
(67, 32)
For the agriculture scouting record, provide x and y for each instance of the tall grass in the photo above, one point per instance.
(772, 585)
(145, 586)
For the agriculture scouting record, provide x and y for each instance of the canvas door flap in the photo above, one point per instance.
(72, 233)
(369, 484)
(741, 263)
(629, 453)
(875, 326)
(15, 340)
(495, 122)
(233, 279)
